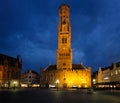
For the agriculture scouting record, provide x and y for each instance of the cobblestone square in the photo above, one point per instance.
(54, 96)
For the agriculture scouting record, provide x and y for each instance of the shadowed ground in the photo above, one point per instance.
(54, 96)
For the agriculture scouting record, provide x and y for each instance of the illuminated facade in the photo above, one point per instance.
(64, 73)
(109, 76)
(10, 71)
(115, 73)
(30, 78)
(64, 51)
(103, 75)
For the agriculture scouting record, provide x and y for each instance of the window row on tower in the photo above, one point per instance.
(64, 54)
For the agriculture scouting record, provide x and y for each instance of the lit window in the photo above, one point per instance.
(116, 72)
(106, 78)
(119, 70)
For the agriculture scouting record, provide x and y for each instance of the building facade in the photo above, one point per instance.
(109, 76)
(30, 78)
(10, 71)
(64, 73)
(103, 75)
(78, 76)
(115, 73)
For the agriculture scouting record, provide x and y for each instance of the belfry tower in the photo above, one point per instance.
(64, 51)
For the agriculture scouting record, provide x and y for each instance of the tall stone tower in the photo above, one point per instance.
(64, 51)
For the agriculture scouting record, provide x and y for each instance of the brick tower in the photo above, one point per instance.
(64, 51)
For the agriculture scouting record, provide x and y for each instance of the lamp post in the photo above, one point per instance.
(14, 83)
(57, 82)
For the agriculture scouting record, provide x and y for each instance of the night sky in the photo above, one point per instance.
(29, 28)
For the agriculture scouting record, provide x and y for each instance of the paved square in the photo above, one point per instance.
(53, 96)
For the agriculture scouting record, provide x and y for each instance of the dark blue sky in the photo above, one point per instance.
(29, 28)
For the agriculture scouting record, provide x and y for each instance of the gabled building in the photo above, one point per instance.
(103, 75)
(78, 76)
(30, 78)
(115, 73)
(109, 77)
(10, 71)
(64, 73)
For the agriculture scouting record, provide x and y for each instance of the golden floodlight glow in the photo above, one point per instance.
(65, 74)
(57, 81)
(24, 85)
(15, 82)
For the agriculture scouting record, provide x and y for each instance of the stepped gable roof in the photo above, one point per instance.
(74, 67)
(111, 67)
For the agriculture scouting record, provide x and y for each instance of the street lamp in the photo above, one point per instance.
(57, 82)
(14, 83)
(94, 81)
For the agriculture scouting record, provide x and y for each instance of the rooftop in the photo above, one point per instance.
(11, 61)
(74, 67)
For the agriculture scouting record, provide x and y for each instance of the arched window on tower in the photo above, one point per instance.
(64, 40)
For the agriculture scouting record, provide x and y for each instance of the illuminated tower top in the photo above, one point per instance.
(64, 19)
(64, 51)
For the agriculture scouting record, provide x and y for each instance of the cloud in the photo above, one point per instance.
(29, 28)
